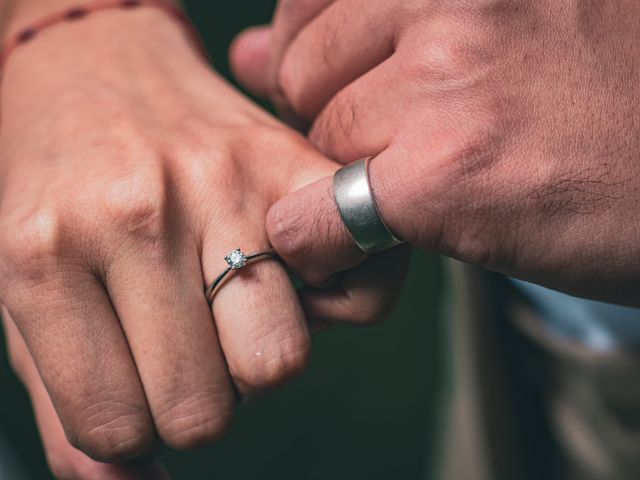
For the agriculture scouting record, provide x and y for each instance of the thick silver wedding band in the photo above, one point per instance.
(358, 208)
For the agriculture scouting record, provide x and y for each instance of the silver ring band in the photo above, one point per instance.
(237, 260)
(358, 208)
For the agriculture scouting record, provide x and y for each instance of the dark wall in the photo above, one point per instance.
(219, 21)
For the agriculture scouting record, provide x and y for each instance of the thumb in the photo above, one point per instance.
(249, 57)
(307, 231)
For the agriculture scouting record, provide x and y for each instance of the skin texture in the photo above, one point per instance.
(126, 175)
(115, 219)
(505, 133)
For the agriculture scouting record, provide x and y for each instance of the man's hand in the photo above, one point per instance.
(128, 170)
(505, 134)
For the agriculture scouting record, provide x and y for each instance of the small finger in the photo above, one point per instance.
(84, 361)
(64, 460)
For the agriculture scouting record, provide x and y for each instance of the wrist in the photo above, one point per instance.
(138, 51)
(65, 14)
(112, 34)
(19, 14)
(24, 12)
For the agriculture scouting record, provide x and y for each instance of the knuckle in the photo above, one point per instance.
(195, 420)
(442, 62)
(333, 129)
(104, 443)
(137, 208)
(272, 369)
(468, 170)
(31, 243)
(473, 156)
(452, 64)
(111, 432)
(216, 160)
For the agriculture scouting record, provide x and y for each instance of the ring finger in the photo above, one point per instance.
(262, 328)
(159, 297)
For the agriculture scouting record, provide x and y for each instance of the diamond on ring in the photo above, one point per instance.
(236, 259)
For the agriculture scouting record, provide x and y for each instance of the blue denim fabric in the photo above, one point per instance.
(599, 325)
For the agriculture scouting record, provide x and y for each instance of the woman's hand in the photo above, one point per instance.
(128, 170)
(505, 133)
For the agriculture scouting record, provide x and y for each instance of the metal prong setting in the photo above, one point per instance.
(236, 260)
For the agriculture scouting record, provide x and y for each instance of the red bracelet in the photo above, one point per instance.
(82, 11)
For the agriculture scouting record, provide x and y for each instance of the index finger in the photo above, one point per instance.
(290, 18)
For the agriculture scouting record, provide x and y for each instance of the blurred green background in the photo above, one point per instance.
(365, 409)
